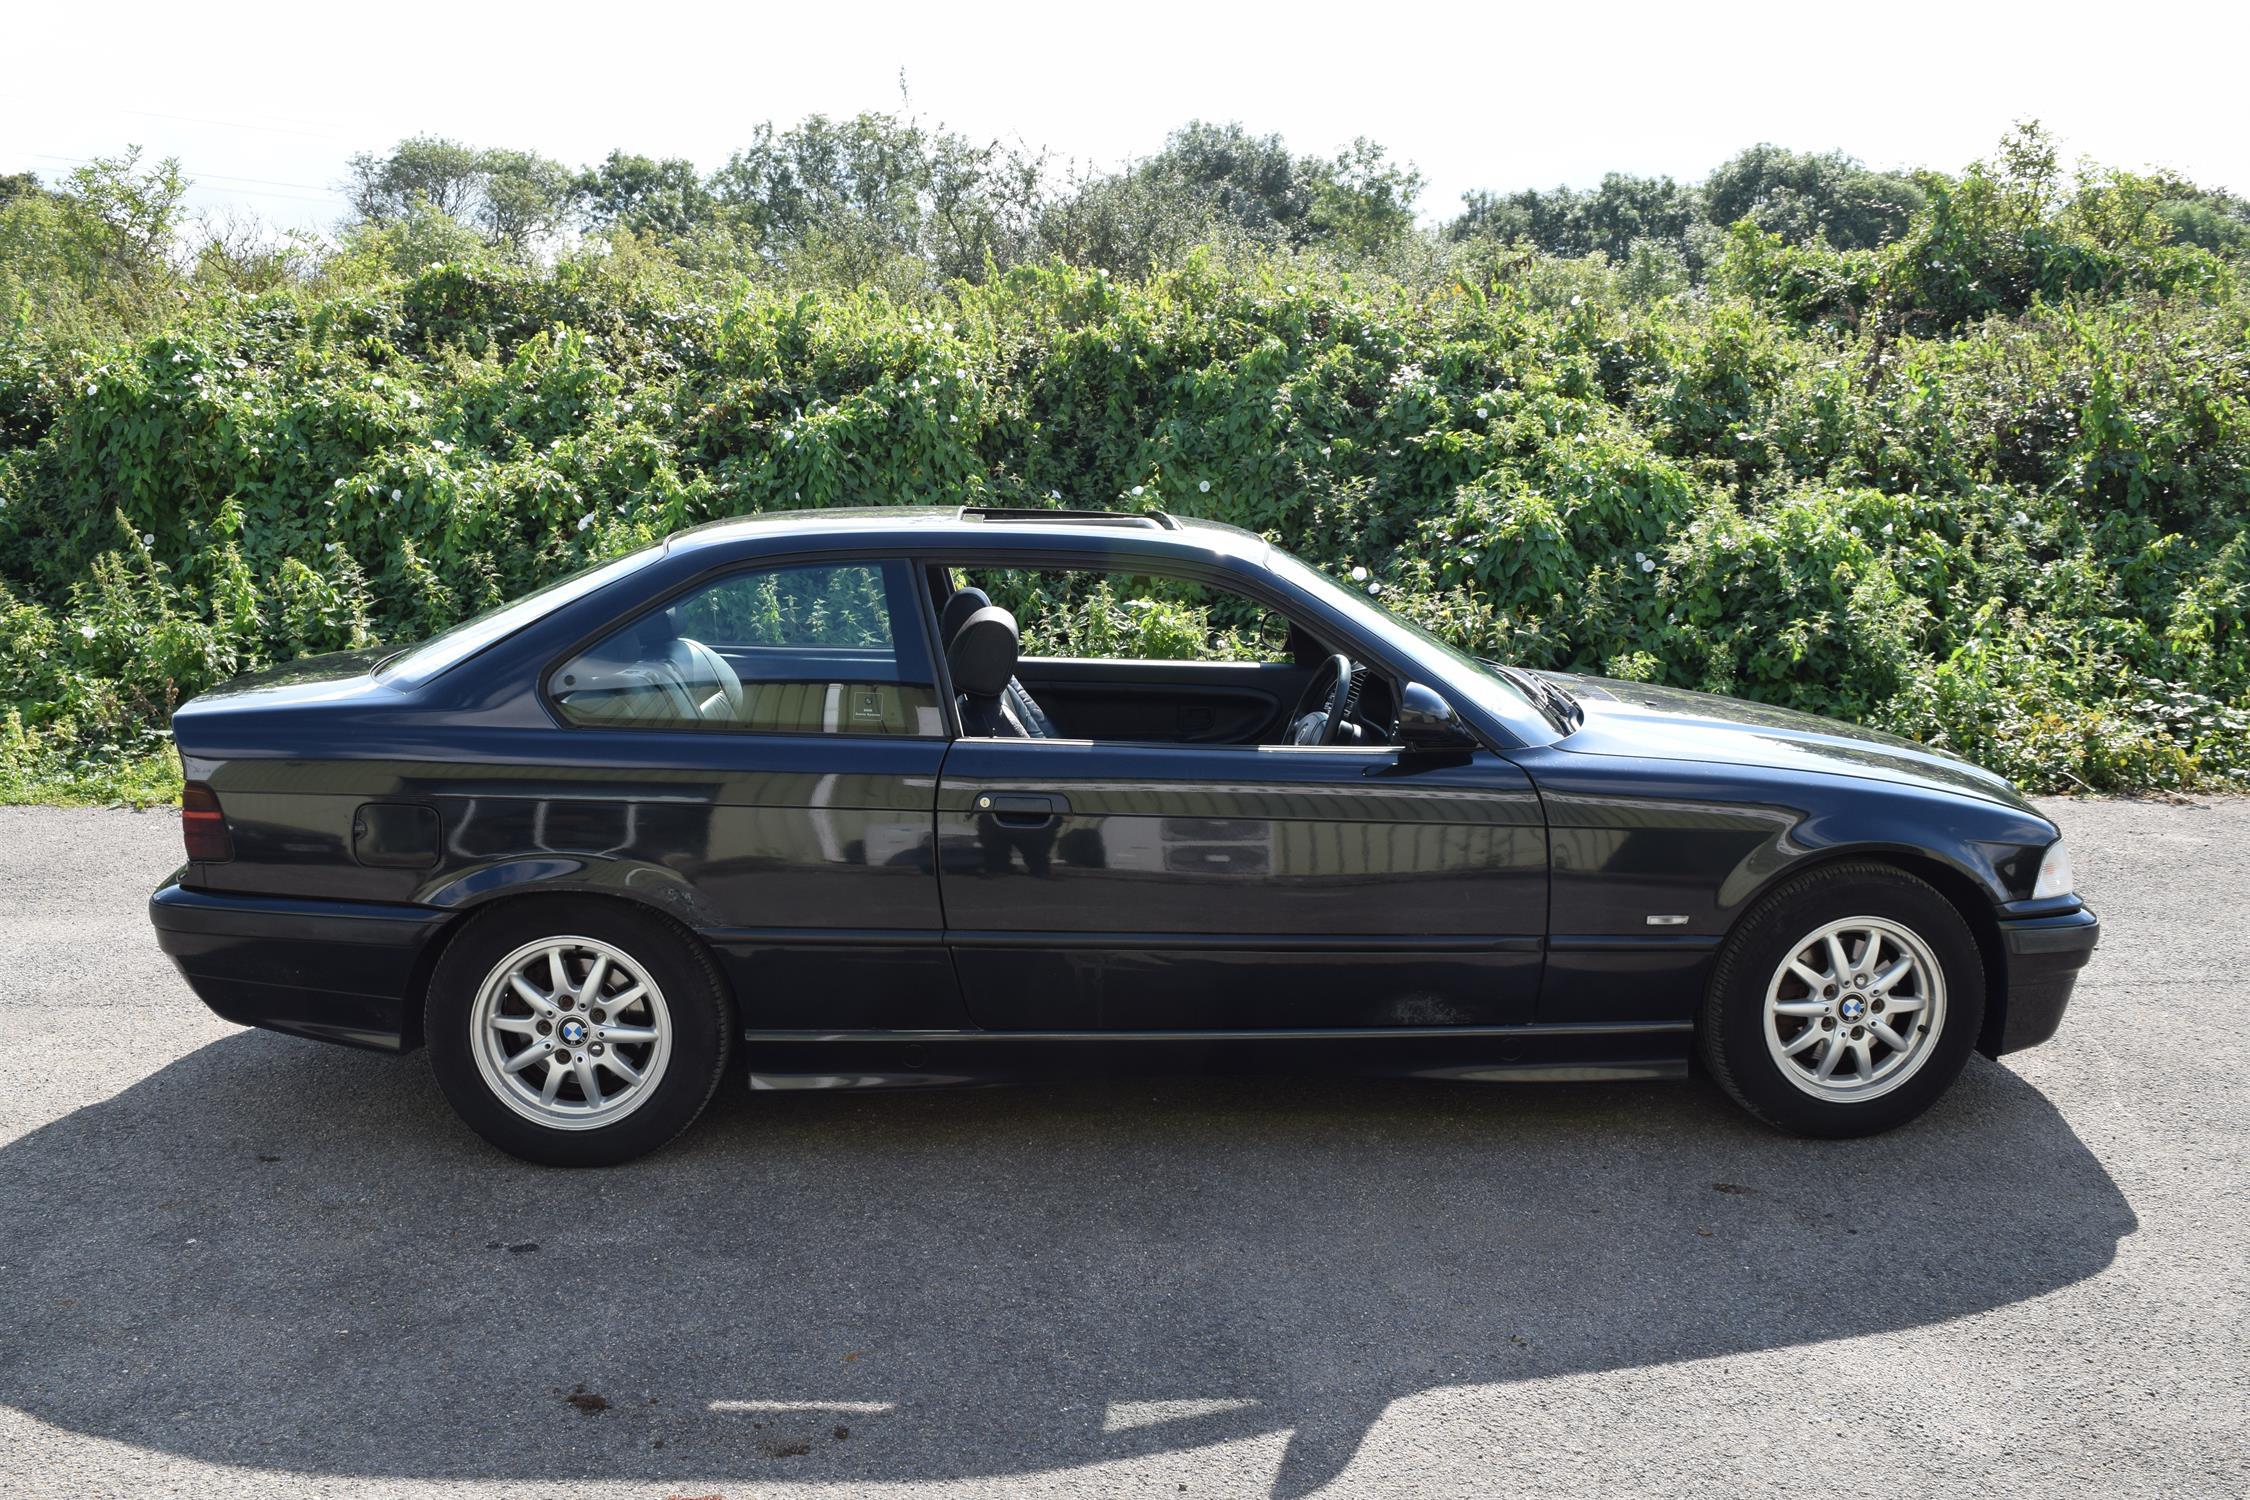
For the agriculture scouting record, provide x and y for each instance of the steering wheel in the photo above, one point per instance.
(1331, 690)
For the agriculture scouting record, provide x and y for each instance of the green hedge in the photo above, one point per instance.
(2018, 533)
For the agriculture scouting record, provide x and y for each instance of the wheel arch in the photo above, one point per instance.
(1961, 890)
(518, 897)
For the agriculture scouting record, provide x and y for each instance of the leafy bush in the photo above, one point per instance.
(1984, 483)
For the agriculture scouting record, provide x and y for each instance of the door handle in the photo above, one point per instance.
(1021, 809)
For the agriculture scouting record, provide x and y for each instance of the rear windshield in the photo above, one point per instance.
(450, 648)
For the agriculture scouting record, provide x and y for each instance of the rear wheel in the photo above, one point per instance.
(1845, 1003)
(576, 1032)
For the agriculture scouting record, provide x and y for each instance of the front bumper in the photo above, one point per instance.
(2045, 954)
(337, 971)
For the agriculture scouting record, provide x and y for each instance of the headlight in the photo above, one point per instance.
(2055, 878)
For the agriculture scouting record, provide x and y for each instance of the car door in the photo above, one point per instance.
(1095, 885)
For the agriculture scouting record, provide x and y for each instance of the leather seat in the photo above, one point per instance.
(982, 659)
(959, 607)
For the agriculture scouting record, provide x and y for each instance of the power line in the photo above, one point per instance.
(329, 192)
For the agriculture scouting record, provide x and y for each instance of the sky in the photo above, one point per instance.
(265, 105)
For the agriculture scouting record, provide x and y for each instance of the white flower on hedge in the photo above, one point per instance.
(148, 538)
(1359, 575)
(1204, 487)
(1482, 413)
(585, 520)
(1648, 565)
(86, 631)
(1138, 488)
(1374, 588)
(396, 496)
(1640, 557)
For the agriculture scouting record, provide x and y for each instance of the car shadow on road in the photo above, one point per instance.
(277, 1255)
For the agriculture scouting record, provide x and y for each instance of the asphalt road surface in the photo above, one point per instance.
(233, 1263)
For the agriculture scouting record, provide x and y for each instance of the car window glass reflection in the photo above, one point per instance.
(806, 649)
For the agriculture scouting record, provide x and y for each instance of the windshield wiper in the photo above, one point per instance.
(1561, 709)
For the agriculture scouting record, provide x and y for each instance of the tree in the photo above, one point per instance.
(665, 199)
(1250, 181)
(1802, 196)
(856, 192)
(1362, 202)
(513, 198)
(428, 169)
(100, 251)
(2212, 218)
(1219, 181)
(1612, 219)
(524, 197)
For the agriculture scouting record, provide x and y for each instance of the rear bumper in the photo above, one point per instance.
(2044, 957)
(337, 971)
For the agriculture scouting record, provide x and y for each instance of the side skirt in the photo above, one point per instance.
(936, 1059)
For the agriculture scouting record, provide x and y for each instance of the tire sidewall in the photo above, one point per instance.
(1734, 1019)
(700, 1013)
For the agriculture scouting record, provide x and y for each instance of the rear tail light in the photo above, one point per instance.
(203, 825)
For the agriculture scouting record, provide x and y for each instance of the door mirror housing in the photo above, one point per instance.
(1427, 722)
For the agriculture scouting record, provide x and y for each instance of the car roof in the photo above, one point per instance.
(1000, 529)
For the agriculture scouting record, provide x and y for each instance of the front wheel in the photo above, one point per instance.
(576, 1032)
(1844, 1003)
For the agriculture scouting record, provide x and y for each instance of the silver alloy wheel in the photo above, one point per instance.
(1855, 1010)
(571, 1033)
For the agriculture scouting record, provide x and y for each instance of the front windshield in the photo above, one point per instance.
(451, 647)
(1493, 692)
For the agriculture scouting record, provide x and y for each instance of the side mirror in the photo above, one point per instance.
(1427, 722)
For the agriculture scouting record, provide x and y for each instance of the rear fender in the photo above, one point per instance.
(652, 885)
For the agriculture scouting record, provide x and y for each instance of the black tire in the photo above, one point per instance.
(699, 1011)
(1732, 1031)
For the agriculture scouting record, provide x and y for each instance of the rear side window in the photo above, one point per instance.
(814, 648)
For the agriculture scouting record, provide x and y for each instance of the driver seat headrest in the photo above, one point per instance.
(963, 603)
(982, 655)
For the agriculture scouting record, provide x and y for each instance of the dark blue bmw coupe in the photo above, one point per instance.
(793, 789)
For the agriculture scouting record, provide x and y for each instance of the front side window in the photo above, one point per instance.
(1110, 654)
(1098, 614)
(812, 648)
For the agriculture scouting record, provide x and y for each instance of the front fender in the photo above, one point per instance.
(1654, 861)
